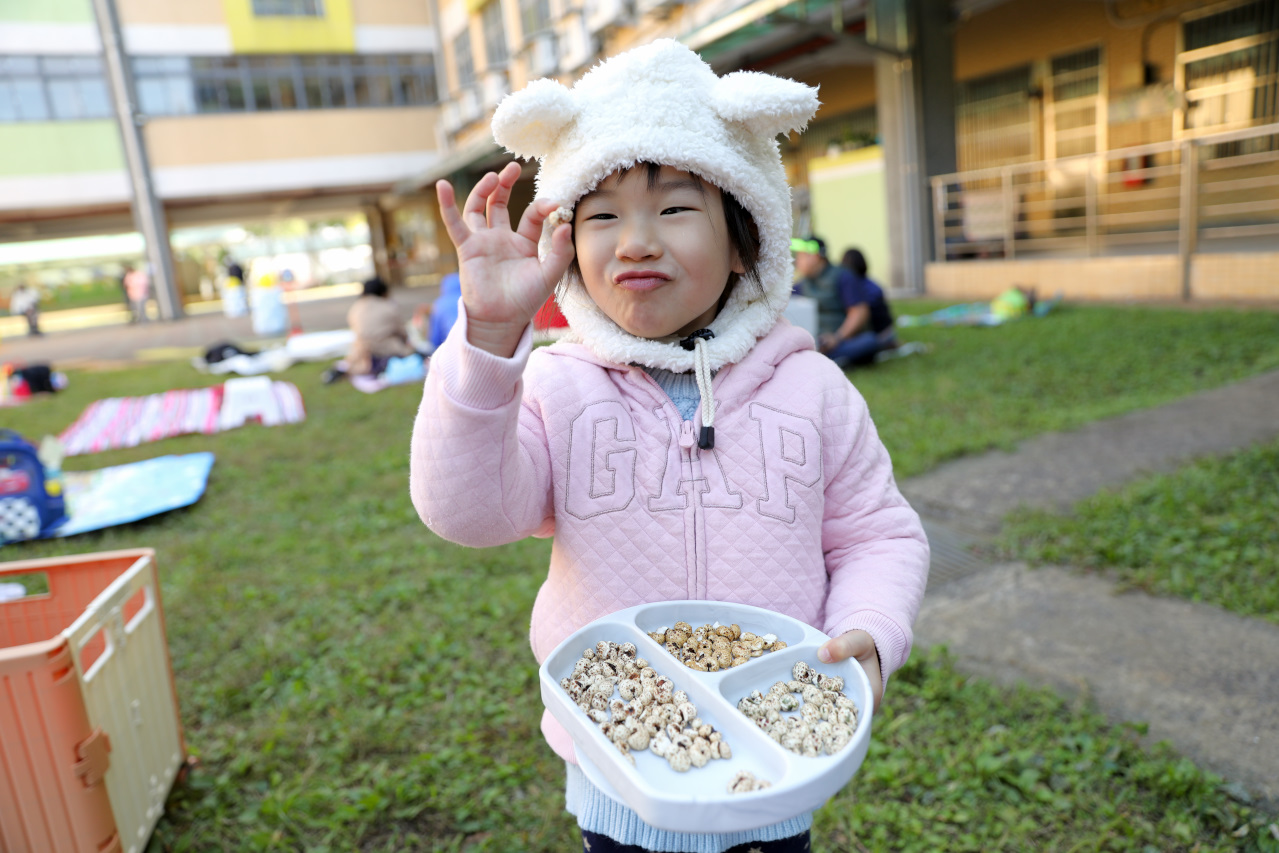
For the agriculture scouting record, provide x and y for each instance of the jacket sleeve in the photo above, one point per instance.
(479, 468)
(877, 555)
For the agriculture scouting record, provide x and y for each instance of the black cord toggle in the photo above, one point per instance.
(691, 341)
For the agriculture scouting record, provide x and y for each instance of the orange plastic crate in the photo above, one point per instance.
(90, 739)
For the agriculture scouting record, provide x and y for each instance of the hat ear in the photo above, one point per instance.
(764, 103)
(527, 122)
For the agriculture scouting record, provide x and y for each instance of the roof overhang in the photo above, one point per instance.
(476, 156)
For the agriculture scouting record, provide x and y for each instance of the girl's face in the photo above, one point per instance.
(655, 254)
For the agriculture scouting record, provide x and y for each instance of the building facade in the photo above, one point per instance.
(247, 109)
(1116, 149)
(1113, 150)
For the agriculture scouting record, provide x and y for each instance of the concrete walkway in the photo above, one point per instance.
(93, 335)
(1202, 678)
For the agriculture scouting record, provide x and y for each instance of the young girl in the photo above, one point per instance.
(682, 442)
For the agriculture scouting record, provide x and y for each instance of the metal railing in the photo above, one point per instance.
(1166, 196)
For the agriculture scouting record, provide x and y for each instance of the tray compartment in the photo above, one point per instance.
(735, 685)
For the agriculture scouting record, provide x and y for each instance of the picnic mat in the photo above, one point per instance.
(116, 422)
(399, 371)
(313, 346)
(124, 493)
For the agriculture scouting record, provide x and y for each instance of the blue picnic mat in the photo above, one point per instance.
(124, 493)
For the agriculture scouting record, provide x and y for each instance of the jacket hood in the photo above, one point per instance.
(660, 103)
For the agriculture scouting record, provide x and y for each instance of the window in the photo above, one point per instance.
(179, 85)
(996, 120)
(848, 132)
(462, 61)
(375, 86)
(1229, 68)
(164, 85)
(535, 16)
(416, 79)
(220, 84)
(43, 88)
(325, 80)
(288, 8)
(1073, 115)
(494, 34)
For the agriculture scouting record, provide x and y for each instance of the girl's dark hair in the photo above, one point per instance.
(855, 261)
(375, 287)
(743, 233)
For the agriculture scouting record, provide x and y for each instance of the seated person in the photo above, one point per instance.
(444, 309)
(853, 319)
(381, 333)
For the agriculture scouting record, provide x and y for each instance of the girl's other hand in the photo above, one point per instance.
(503, 282)
(860, 646)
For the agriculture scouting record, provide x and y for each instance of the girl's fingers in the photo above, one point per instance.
(474, 212)
(534, 215)
(556, 262)
(453, 224)
(848, 645)
(498, 214)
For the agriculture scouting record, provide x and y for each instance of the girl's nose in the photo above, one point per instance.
(638, 241)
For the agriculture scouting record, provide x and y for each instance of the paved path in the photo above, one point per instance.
(1056, 470)
(1202, 678)
(103, 334)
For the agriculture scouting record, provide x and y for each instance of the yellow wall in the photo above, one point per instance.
(1023, 31)
(197, 140)
(386, 13)
(333, 33)
(1140, 277)
(1245, 276)
(1235, 276)
(843, 90)
(849, 206)
(169, 12)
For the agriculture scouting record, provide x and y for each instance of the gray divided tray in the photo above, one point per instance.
(698, 800)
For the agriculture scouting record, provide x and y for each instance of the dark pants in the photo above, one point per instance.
(859, 349)
(595, 843)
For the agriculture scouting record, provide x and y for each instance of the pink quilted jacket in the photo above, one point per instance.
(795, 509)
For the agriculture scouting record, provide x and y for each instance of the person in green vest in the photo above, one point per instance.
(853, 318)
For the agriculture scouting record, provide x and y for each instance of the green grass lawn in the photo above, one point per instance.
(1208, 532)
(351, 682)
(984, 388)
(83, 295)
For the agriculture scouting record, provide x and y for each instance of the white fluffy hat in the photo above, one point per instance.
(662, 104)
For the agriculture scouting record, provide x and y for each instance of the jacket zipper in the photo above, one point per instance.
(693, 548)
(688, 443)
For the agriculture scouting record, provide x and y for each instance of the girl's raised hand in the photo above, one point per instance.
(503, 282)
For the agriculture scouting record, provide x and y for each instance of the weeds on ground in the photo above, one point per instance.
(979, 389)
(351, 682)
(1208, 532)
(959, 764)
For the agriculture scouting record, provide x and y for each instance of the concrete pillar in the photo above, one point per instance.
(915, 95)
(379, 221)
(148, 212)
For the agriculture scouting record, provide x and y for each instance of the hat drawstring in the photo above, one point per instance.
(702, 372)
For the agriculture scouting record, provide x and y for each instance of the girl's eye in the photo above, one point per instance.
(600, 217)
(675, 210)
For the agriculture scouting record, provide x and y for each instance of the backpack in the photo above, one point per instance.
(31, 500)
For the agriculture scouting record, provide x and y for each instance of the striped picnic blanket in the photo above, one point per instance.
(117, 422)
